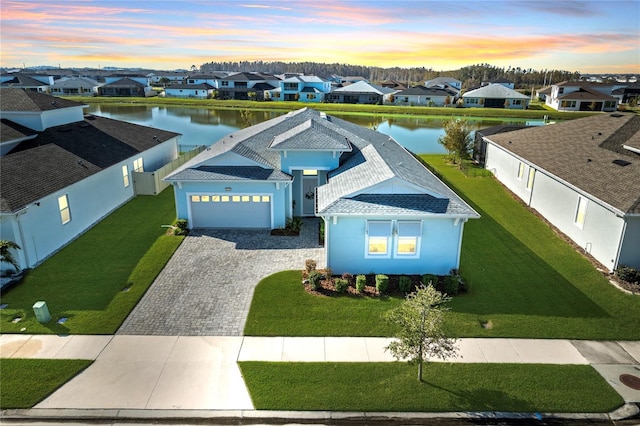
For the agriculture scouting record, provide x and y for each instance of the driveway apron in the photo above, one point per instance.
(206, 287)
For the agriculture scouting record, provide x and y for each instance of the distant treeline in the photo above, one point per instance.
(471, 76)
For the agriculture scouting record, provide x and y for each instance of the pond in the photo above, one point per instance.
(200, 126)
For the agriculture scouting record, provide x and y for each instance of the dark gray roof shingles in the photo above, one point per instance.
(581, 152)
(63, 155)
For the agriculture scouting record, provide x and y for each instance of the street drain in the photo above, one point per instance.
(630, 380)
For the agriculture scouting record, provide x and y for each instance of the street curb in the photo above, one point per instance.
(627, 411)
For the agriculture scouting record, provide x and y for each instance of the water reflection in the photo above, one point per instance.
(200, 126)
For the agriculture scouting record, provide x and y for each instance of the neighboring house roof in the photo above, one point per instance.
(63, 155)
(306, 79)
(364, 87)
(262, 86)
(124, 82)
(494, 91)
(424, 91)
(243, 76)
(584, 153)
(441, 80)
(567, 83)
(13, 100)
(21, 80)
(545, 90)
(73, 82)
(585, 93)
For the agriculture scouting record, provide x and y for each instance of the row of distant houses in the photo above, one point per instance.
(442, 91)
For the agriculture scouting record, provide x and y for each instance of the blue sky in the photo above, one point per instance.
(585, 36)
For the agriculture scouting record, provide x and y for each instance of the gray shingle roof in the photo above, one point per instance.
(374, 158)
(364, 87)
(586, 93)
(581, 152)
(494, 91)
(63, 155)
(311, 135)
(22, 81)
(10, 131)
(224, 173)
(28, 101)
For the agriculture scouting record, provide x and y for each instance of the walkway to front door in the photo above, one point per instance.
(207, 286)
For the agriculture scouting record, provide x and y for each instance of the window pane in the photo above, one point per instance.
(255, 198)
(310, 172)
(62, 202)
(408, 229)
(530, 180)
(235, 198)
(378, 245)
(581, 211)
(245, 198)
(215, 198)
(65, 215)
(224, 198)
(379, 228)
(195, 198)
(407, 245)
(266, 198)
(204, 198)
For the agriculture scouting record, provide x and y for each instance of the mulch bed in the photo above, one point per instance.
(328, 288)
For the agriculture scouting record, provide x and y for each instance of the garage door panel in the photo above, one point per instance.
(231, 211)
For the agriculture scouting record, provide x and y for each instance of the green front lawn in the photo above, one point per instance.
(25, 382)
(524, 279)
(84, 282)
(394, 386)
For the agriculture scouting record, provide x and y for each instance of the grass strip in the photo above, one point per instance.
(537, 113)
(26, 382)
(448, 387)
(95, 281)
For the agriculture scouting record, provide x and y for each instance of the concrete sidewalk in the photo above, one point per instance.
(201, 372)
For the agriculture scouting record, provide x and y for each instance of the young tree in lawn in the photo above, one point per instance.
(419, 319)
(457, 139)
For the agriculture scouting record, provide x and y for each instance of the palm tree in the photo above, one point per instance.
(5, 253)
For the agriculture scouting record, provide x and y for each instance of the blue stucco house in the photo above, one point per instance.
(383, 210)
(303, 88)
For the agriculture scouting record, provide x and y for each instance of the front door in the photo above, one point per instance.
(309, 184)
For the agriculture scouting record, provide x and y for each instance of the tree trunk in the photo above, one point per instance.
(420, 371)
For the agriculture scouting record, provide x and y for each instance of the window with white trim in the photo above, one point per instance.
(137, 165)
(378, 238)
(581, 212)
(520, 170)
(63, 206)
(125, 176)
(408, 241)
(532, 173)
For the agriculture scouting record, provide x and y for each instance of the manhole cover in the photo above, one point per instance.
(631, 381)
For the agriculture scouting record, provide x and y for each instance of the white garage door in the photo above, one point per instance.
(230, 211)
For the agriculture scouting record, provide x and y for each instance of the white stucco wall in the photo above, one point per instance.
(601, 232)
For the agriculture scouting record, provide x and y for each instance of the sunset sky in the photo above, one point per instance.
(585, 36)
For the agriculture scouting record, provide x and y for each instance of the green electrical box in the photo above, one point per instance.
(42, 312)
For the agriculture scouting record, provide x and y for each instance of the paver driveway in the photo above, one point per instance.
(207, 286)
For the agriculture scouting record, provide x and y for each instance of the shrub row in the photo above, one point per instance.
(628, 274)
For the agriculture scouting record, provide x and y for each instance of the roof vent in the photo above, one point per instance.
(621, 163)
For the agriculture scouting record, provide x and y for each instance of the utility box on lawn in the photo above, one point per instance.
(42, 312)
